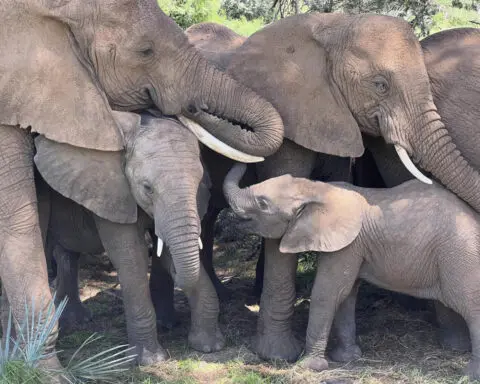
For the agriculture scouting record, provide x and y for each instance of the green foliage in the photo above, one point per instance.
(250, 9)
(418, 13)
(20, 356)
(188, 12)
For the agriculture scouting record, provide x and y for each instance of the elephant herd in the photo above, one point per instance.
(116, 123)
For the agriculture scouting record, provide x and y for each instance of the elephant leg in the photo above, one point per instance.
(453, 331)
(206, 254)
(127, 249)
(162, 289)
(23, 268)
(75, 312)
(344, 329)
(274, 338)
(205, 335)
(259, 271)
(335, 279)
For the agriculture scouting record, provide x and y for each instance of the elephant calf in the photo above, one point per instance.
(416, 239)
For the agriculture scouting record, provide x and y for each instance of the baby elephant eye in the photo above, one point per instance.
(147, 188)
(262, 203)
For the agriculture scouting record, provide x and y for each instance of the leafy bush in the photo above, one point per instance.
(249, 9)
(188, 12)
(20, 356)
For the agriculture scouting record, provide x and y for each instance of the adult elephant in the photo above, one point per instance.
(160, 170)
(65, 65)
(333, 77)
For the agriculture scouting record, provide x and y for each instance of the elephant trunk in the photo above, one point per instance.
(232, 113)
(237, 198)
(435, 152)
(178, 225)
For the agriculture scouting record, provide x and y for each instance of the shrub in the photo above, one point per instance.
(20, 356)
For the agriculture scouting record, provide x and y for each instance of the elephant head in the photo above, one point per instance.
(215, 41)
(306, 215)
(66, 63)
(159, 169)
(333, 76)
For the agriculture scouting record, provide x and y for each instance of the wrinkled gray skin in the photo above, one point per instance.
(160, 170)
(355, 66)
(416, 239)
(452, 59)
(78, 60)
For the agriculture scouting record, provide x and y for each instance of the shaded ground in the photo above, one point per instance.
(399, 346)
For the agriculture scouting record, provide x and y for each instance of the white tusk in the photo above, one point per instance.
(215, 144)
(407, 162)
(159, 247)
(200, 244)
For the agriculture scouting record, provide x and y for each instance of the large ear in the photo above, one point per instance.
(290, 68)
(94, 179)
(326, 226)
(45, 84)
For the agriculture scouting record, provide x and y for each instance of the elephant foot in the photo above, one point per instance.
(277, 346)
(473, 369)
(455, 339)
(75, 314)
(344, 354)
(206, 341)
(314, 363)
(146, 357)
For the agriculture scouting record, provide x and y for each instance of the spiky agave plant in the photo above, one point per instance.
(25, 345)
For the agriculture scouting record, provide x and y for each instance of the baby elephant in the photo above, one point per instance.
(416, 239)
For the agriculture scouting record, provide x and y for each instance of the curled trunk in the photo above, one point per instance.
(435, 151)
(237, 197)
(231, 112)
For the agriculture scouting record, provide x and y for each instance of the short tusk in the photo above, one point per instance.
(215, 144)
(159, 247)
(200, 244)
(407, 162)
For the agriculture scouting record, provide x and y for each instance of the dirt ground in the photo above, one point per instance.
(399, 345)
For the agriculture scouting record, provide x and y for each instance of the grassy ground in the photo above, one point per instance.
(399, 346)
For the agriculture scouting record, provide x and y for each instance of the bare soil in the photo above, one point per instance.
(399, 345)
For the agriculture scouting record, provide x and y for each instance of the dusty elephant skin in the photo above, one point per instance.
(65, 65)
(333, 77)
(416, 239)
(160, 170)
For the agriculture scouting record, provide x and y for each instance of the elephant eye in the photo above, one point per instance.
(381, 85)
(147, 188)
(146, 52)
(262, 203)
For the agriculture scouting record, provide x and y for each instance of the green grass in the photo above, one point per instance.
(450, 17)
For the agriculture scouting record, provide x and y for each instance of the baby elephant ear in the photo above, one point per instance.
(327, 226)
(94, 179)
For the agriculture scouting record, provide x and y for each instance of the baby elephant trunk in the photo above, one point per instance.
(238, 199)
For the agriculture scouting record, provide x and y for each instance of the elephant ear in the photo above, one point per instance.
(290, 68)
(91, 178)
(45, 84)
(326, 225)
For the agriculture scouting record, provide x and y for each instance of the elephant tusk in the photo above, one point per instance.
(215, 144)
(159, 247)
(200, 244)
(407, 162)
